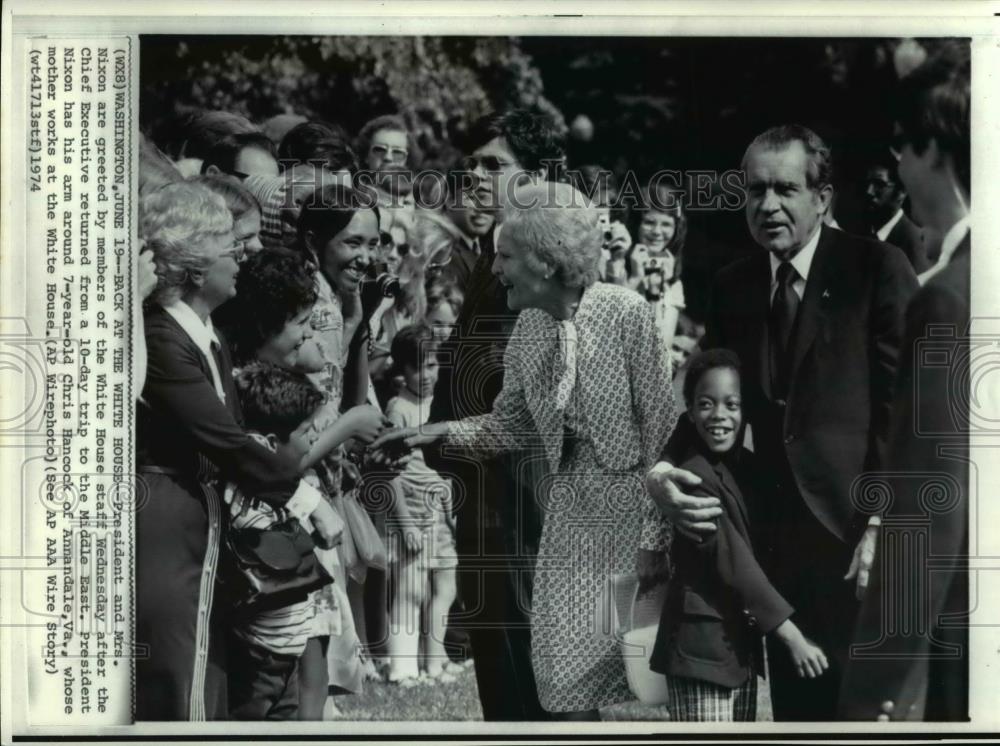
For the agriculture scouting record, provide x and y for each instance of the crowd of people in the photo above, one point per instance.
(390, 426)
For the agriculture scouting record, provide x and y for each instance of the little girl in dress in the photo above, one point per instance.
(422, 539)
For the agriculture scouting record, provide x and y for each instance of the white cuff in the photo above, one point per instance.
(304, 501)
(875, 520)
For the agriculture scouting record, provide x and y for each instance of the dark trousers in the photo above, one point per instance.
(500, 635)
(171, 592)
(262, 685)
(808, 564)
(495, 589)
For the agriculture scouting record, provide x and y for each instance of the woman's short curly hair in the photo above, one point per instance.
(560, 228)
(175, 221)
(272, 287)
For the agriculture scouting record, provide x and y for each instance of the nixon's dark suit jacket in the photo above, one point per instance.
(923, 674)
(832, 424)
(719, 602)
(814, 442)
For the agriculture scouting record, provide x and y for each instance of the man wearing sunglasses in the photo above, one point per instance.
(242, 155)
(498, 521)
(910, 660)
(467, 222)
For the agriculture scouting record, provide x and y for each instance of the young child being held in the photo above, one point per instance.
(719, 602)
(422, 547)
(278, 407)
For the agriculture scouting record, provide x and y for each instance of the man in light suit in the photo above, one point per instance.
(817, 319)
(919, 671)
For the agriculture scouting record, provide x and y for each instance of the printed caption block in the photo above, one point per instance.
(76, 481)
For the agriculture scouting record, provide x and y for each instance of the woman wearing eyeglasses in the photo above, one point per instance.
(243, 206)
(385, 143)
(188, 440)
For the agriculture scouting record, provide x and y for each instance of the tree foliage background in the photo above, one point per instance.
(440, 84)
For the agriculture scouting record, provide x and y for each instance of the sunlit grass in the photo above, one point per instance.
(459, 701)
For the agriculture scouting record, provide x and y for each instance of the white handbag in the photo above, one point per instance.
(641, 617)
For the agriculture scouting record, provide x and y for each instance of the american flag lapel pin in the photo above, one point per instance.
(826, 294)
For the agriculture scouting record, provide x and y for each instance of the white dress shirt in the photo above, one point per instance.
(202, 333)
(952, 240)
(882, 233)
(801, 262)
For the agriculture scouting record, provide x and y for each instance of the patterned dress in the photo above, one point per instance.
(596, 391)
(333, 613)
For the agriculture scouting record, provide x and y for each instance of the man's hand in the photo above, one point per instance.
(327, 524)
(692, 516)
(652, 568)
(861, 562)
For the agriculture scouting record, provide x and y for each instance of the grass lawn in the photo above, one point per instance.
(459, 701)
(381, 701)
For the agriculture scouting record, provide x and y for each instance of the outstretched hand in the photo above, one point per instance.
(407, 438)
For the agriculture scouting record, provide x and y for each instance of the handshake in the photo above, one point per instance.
(394, 444)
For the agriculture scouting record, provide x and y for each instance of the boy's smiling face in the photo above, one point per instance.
(294, 347)
(716, 410)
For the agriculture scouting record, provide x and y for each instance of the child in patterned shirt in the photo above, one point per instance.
(278, 407)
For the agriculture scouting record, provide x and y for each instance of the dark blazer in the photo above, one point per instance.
(187, 442)
(464, 260)
(908, 237)
(498, 517)
(922, 676)
(720, 602)
(470, 378)
(185, 421)
(834, 422)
